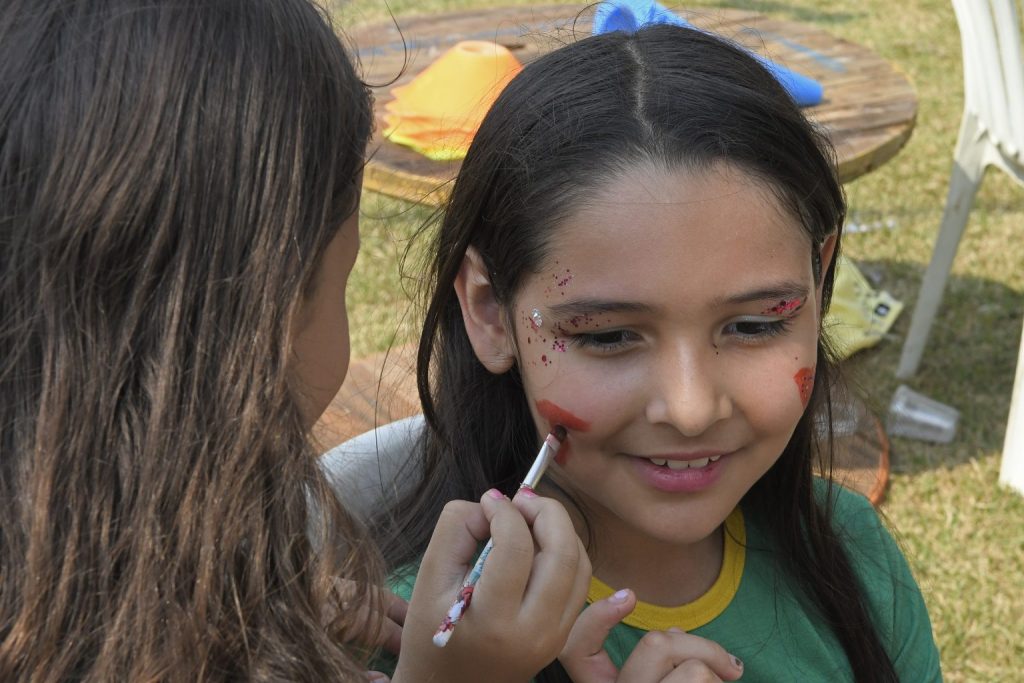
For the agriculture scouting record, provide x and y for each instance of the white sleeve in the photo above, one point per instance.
(377, 467)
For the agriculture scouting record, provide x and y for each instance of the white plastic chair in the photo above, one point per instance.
(991, 134)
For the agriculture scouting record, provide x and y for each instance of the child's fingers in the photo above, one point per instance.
(383, 601)
(507, 570)
(391, 637)
(584, 657)
(460, 529)
(578, 597)
(397, 608)
(560, 562)
(691, 671)
(659, 653)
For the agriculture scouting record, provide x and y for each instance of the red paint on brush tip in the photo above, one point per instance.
(560, 417)
(804, 379)
(558, 435)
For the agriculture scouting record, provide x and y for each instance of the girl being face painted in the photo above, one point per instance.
(673, 329)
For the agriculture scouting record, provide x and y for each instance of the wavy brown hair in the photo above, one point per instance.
(170, 171)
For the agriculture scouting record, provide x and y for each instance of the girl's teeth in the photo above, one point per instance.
(684, 464)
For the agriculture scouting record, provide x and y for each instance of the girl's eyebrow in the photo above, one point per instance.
(582, 307)
(779, 292)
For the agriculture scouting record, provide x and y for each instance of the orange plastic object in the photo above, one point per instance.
(439, 111)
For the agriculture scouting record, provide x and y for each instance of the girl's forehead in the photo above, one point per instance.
(681, 228)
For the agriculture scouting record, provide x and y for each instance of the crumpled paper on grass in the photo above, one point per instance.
(860, 316)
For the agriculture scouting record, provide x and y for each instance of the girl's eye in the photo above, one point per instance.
(604, 341)
(757, 329)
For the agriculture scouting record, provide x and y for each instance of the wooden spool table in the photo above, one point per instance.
(868, 113)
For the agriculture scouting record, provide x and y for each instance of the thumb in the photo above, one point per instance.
(584, 657)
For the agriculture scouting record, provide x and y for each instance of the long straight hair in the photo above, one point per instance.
(571, 121)
(170, 172)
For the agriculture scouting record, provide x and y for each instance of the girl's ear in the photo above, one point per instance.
(482, 315)
(825, 255)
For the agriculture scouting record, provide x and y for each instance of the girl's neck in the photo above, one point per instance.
(658, 572)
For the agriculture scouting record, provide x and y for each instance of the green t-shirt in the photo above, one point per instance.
(754, 612)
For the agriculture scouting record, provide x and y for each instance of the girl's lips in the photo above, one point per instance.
(701, 470)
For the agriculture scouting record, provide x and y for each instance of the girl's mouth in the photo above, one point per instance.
(679, 475)
(696, 463)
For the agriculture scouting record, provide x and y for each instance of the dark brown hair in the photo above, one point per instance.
(170, 171)
(570, 122)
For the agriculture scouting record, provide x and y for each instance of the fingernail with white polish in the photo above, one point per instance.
(619, 597)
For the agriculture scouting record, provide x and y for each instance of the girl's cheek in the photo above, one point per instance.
(780, 388)
(804, 379)
(542, 344)
(554, 414)
(806, 362)
(545, 340)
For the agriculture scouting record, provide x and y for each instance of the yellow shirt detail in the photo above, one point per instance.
(705, 608)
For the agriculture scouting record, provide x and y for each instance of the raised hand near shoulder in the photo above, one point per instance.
(672, 656)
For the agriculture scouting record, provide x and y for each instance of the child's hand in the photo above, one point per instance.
(529, 595)
(671, 656)
(392, 631)
(390, 636)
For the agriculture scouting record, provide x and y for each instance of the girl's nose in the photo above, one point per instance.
(685, 392)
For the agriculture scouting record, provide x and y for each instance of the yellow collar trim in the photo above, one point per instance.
(705, 608)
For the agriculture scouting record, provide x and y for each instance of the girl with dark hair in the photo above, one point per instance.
(179, 185)
(640, 246)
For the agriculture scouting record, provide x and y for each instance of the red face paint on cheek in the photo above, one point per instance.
(556, 415)
(804, 379)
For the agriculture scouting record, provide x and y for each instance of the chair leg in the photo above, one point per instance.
(1011, 472)
(968, 168)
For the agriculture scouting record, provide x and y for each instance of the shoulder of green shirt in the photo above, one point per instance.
(402, 580)
(893, 595)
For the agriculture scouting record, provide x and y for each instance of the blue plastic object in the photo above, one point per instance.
(630, 15)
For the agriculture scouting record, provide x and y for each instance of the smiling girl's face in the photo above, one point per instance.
(673, 330)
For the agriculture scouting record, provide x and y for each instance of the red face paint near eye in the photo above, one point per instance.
(804, 379)
(556, 415)
(784, 307)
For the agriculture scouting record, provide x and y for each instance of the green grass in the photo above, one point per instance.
(963, 534)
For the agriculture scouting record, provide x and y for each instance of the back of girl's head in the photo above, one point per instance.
(170, 171)
(560, 133)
